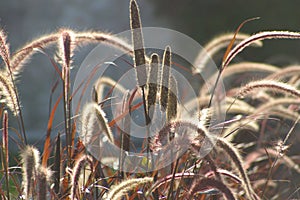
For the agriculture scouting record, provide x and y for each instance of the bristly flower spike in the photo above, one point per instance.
(138, 44)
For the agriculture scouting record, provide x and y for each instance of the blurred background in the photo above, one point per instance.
(201, 20)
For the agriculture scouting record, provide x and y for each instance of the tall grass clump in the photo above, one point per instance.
(255, 156)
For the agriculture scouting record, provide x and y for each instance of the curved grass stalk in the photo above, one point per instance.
(88, 122)
(117, 191)
(286, 160)
(258, 37)
(99, 88)
(235, 157)
(92, 115)
(78, 167)
(204, 183)
(22, 55)
(274, 103)
(269, 85)
(232, 105)
(242, 67)
(234, 128)
(106, 38)
(271, 108)
(293, 70)
(295, 81)
(284, 113)
(236, 108)
(215, 46)
(226, 173)
(168, 178)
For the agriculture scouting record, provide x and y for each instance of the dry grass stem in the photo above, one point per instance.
(214, 46)
(258, 37)
(117, 191)
(270, 85)
(204, 183)
(21, 56)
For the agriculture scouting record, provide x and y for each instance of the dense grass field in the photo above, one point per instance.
(238, 140)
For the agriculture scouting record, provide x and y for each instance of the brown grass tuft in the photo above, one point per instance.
(43, 179)
(31, 163)
(76, 173)
(10, 97)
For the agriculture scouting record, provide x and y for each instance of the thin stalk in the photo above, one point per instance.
(5, 159)
(172, 180)
(278, 156)
(147, 121)
(20, 120)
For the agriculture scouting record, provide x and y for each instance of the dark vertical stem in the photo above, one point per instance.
(5, 159)
(56, 165)
(66, 50)
(170, 194)
(125, 134)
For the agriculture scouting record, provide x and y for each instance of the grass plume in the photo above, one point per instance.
(270, 85)
(93, 116)
(152, 81)
(31, 164)
(9, 93)
(76, 172)
(43, 179)
(121, 189)
(165, 78)
(4, 48)
(138, 44)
